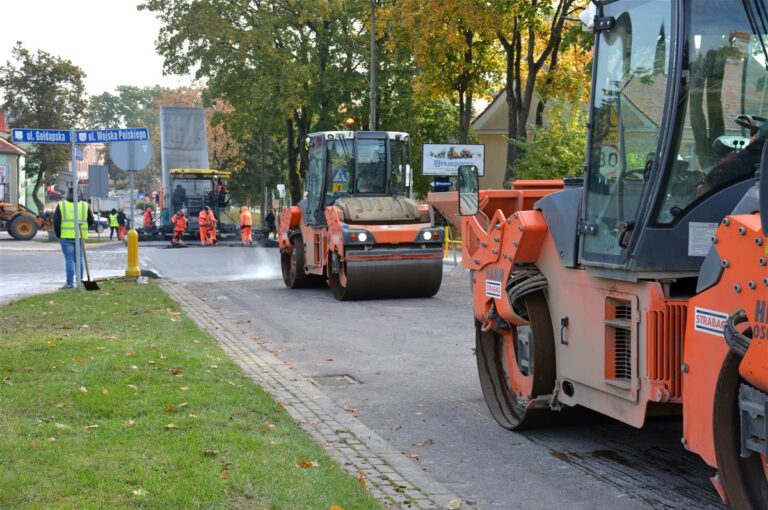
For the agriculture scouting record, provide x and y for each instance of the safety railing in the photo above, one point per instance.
(451, 246)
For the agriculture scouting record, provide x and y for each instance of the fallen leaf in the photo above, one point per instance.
(130, 353)
(231, 383)
(351, 410)
(176, 371)
(454, 504)
(162, 356)
(7, 380)
(413, 455)
(91, 427)
(192, 415)
(170, 407)
(224, 472)
(183, 404)
(139, 492)
(396, 428)
(61, 426)
(129, 423)
(104, 391)
(426, 442)
(213, 366)
(308, 464)
(361, 477)
(211, 453)
(270, 426)
(85, 326)
(184, 388)
(77, 360)
(330, 359)
(54, 366)
(170, 426)
(151, 362)
(51, 439)
(335, 507)
(134, 367)
(133, 387)
(33, 445)
(83, 389)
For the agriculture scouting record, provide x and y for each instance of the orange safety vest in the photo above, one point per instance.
(202, 218)
(148, 220)
(179, 222)
(245, 219)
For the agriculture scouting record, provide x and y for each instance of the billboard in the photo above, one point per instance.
(183, 139)
(446, 158)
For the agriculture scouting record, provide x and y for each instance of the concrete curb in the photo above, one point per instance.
(389, 475)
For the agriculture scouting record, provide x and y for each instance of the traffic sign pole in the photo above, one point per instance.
(78, 276)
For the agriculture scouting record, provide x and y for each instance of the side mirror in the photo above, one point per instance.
(469, 190)
(408, 176)
(764, 189)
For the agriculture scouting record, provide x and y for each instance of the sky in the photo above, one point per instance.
(110, 40)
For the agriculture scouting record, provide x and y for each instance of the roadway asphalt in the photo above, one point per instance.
(407, 369)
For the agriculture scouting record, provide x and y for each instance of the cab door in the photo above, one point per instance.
(314, 213)
(628, 115)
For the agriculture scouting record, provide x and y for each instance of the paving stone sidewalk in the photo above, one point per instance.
(389, 475)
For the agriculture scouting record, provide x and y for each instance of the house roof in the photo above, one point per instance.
(7, 147)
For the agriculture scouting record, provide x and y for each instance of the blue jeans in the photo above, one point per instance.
(68, 249)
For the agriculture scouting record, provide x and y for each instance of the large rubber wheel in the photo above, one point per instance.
(337, 280)
(508, 388)
(293, 265)
(23, 227)
(745, 480)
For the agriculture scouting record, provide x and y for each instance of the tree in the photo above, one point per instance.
(281, 64)
(47, 92)
(555, 149)
(455, 52)
(531, 33)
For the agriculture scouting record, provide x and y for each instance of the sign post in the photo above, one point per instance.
(72, 137)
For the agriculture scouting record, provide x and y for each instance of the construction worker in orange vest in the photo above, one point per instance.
(211, 227)
(179, 227)
(149, 219)
(246, 222)
(202, 219)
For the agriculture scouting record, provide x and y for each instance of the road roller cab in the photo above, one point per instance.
(358, 230)
(641, 290)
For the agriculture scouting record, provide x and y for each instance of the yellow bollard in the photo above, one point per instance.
(133, 255)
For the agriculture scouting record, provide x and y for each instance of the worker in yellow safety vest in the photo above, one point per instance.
(114, 224)
(64, 226)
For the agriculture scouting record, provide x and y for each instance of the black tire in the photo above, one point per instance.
(744, 480)
(503, 403)
(293, 265)
(334, 280)
(23, 227)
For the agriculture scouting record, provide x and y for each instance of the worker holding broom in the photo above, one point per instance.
(179, 227)
(246, 222)
(202, 221)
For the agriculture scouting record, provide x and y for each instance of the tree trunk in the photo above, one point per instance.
(465, 114)
(302, 124)
(38, 183)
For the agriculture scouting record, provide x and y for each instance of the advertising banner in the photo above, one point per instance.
(445, 158)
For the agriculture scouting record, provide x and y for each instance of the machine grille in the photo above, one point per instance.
(665, 332)
(618, 342)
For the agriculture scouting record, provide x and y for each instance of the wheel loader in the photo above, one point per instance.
(642, 288)
(357, 230)
(21, 223)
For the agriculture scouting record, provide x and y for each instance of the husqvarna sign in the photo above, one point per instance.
(446, 158)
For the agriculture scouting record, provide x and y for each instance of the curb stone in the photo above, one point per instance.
(389, 476)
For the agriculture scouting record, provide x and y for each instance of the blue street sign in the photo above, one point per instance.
(111, 135)
(40, 135)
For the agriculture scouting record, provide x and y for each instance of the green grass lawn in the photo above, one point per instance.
(113, 399)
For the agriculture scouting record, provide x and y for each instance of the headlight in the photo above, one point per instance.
(362, 237)
(427, 235)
